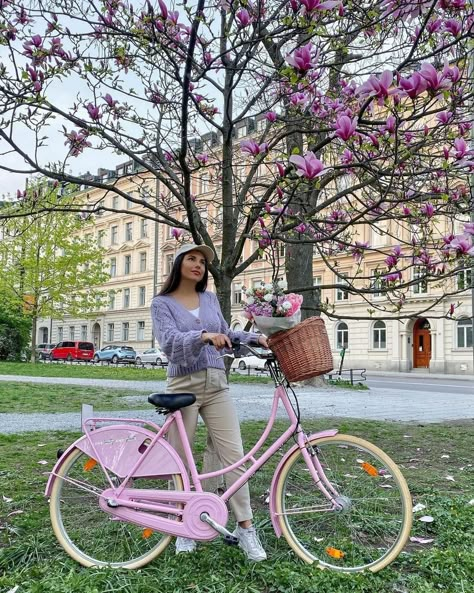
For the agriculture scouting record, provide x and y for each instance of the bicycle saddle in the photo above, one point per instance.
(171, 401)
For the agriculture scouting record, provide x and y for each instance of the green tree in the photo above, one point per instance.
(15, 328)
(47, 267)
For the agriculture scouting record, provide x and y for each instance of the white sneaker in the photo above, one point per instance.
(250, 544)
(184, 544)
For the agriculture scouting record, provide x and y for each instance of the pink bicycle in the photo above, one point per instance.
(120, 492)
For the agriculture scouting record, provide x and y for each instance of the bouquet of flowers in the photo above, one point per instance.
(270, 308)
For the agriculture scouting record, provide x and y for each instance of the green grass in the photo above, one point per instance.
(89, 371)
(344, 384)
(31, 558)
(40, 397)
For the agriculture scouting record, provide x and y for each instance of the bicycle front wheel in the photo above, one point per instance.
(369, 525)
(90, 536)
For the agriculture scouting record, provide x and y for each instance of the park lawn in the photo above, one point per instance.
(31, 558)
(91, 371)
(29, 398)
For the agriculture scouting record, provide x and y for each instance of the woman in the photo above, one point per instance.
(191, 330)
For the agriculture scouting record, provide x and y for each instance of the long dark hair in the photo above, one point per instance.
(173, 280)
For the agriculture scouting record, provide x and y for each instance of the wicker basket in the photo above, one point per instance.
(304, 350)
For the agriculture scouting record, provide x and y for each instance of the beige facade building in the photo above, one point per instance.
(139, 254)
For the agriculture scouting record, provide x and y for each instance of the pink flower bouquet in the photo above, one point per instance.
(271, 309)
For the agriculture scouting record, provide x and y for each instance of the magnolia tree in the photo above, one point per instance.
(362, 122)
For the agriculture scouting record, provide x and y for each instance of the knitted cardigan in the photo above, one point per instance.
(178, 332)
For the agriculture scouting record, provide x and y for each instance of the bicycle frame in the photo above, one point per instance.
(122, 495)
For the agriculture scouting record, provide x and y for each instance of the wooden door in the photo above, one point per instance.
(421, 347)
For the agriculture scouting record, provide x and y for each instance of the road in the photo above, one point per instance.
(415, 384)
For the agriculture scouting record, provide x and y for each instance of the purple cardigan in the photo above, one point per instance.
(179, 333)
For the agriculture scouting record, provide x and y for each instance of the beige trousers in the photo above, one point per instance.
(216, 408)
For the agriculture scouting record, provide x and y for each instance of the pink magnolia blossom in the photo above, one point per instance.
(302, 59)
(461, 148)
(176, 233)
(94, 112)
(243, 17)
(163, 10)
(77, 141)
(271, 116)
(462, 245)
(250, 147)
(453, 26)
(427, 209)
(298, 99)
(202, 158)
(376, 87)
(469, 228)
(345, 127)
(301, 228)
(281, 169)
(390, 125)
(444, 117)
(110, 102)
(308, 166)
(310, 6)
(434, 26)
(393, 277)
(436, 81)
(357, 250)
(413, 86)
(347, 157)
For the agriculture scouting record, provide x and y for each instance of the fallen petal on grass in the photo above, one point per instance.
(426, 519)
(419, 507)
(421, 540)
(5, 499)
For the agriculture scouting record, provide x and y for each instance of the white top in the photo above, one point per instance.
(194, 312)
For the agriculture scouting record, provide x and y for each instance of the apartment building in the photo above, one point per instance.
(140, 254)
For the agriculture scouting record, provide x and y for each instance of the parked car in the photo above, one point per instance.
(115, 354)
(153, 356)
(249, 362)
(44, 350)
(69, 350)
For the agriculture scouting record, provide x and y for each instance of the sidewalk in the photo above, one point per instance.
(415, 374)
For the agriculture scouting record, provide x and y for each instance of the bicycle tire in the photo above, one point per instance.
(91, 536)
(370, 532)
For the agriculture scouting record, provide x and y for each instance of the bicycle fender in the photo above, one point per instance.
(119, 447)
(276, 476)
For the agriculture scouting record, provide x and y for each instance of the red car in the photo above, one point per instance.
(72, 351)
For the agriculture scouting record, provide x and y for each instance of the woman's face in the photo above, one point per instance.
(193, 266)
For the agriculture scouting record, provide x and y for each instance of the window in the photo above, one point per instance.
(125, 330)
(128, 264)
(143, 261)
(100, 238)
(342, 295)
(241, 132)
(113, 267)
(342, 335)
(464, 279)
(111, 300)
(110, 332)
(84, 332)
(317, 280)
(128, 231)
(377, 284)
(72, 331)
(141, 296)
(114, 235)
(169, 263)
(261, 125)
(464, 333)
(237, 294)
(115, 202)
(379, 335)
(128, 204)
(379, 233)
(140, 330)
(237, 327)
(204, 183)
(203, 216)
(420, 286)
(60, 334)
(143, 228)
(126, 298)
(281, 250)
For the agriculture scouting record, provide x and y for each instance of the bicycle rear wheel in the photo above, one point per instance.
(90, 536)
(374, 523)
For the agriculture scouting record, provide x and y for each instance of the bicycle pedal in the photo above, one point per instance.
(231, 540)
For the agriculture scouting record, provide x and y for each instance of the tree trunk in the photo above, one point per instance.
(299, 273)
(34, 324)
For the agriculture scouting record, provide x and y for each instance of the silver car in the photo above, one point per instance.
(152, 356)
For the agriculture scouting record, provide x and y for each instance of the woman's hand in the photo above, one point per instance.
(262, 340)
(218, 340)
